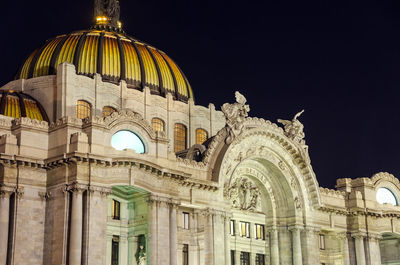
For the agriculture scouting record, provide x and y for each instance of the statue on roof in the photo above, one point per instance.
(109, 9)
(294, 128)
(235, 115)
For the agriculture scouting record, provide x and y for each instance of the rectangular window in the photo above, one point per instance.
(115, 250)
(185, 219)
(321, 241)
(232, 257)
(259, 231)
(245, 229)
(260, 259)
(115, 210)
(232, 227)
(244, 258)
(185, 254)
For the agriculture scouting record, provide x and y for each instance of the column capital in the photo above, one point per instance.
(77, 188)
(358, 235)
(294, 228)
(374, 236)
(44, 195)
(342, 235)
(6, 191)
(103, 191)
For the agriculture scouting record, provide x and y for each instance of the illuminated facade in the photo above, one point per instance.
(105, 159)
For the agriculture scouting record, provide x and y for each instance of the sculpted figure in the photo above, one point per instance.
(108, 8)
(141, 259)
(294, 128)
(235, 114)
(243, 195)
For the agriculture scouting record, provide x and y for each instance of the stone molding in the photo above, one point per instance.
(377, 178)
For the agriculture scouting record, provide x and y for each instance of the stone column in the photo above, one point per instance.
(345, 248)
(173, 241)
(296, 246)
(109, 248)
(153, 205)
(274, 247)
(360, 253)
(123, 245)
(227, 238)
(374, 249)
(133, 246)
(75, 242)
(4, 218)
(208, 238)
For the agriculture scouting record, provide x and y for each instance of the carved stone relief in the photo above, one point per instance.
(235, 115)
(243, 195)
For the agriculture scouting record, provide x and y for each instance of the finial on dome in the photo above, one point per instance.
(106, 12)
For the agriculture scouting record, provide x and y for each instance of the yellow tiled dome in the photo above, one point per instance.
(113, 55)
(17, 104)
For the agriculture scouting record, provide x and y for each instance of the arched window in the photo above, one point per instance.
(157, 124)
(122, 140)
(384, 195)
(107, 111)
(83, 109)
(179, 137)
(201, 136)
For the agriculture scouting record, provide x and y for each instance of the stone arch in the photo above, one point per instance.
(291, 179)
(268, 143)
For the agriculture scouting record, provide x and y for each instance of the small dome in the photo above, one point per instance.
(17, 104)
(115, 56)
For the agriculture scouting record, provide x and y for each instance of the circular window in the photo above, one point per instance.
(127, 140)
(384, 195)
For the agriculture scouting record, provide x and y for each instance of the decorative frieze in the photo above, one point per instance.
(243, 195)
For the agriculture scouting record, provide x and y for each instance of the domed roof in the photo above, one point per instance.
(112, 54)
(17, 104)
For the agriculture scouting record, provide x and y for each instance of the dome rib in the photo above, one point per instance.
(160, 78)
(78, 50)
(18, 104)
(143, 73)
(122, 61)
(114, 56)
(56, 52)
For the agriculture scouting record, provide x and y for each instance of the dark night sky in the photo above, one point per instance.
(339, 60)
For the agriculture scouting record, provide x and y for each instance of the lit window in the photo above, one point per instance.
(245, 229)
(115, 210)
(321, 242)
(185, 219)
(185, 254)
(259, 231)
(157, 124)
(115, 250)
(83, 109)
(260, 259)
(179, 137)
(127, 140)
(201, 136)
(244, 258)
(232, 227)
(107, 111)
(384, 195)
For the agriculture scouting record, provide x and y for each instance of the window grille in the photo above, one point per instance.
(83, 109)
(157, 124)
(107, 111)
(179, 137)
(201, 136)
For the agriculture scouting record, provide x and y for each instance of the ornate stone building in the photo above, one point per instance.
(105, 159)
